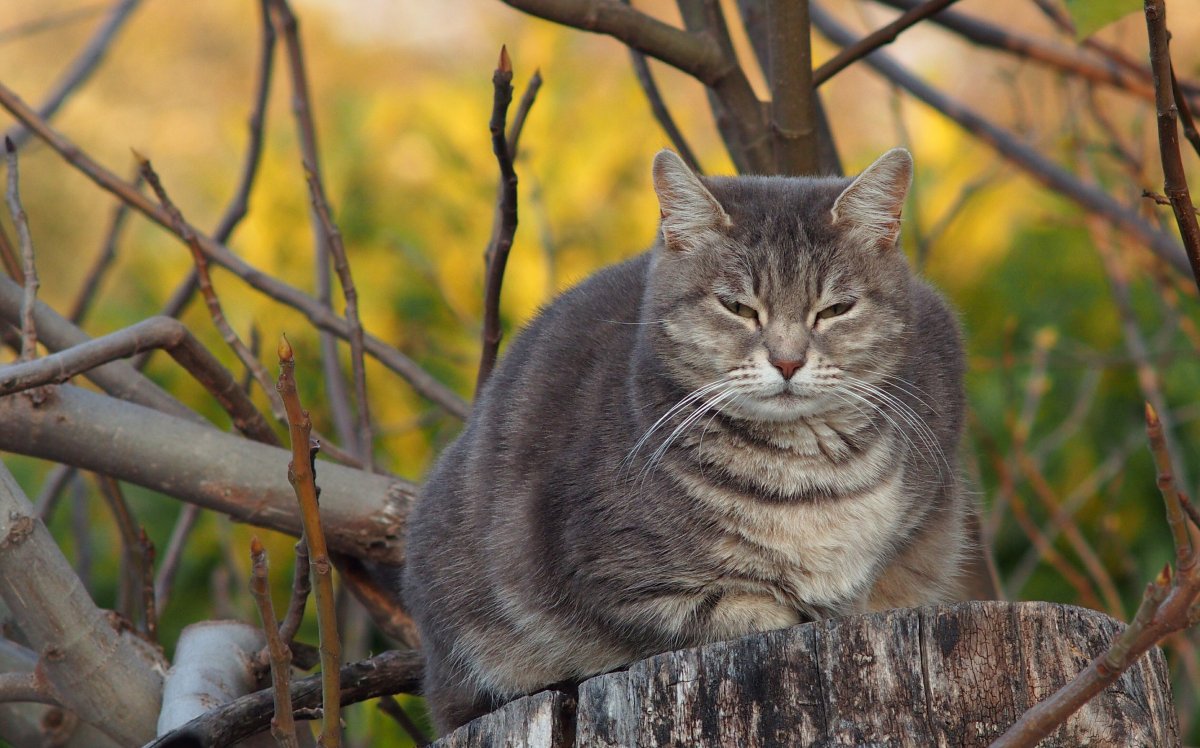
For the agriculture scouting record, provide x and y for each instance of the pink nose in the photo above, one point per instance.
(788, 368)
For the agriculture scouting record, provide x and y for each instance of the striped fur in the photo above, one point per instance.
(638, 475)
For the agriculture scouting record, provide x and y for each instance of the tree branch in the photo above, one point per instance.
(81, 654)
(496, 256)
(876, 39)
(1035, 164)
(156, 332)
(301, 474)
(1175, 180)
(28, 267)
(291, 296)
(793, 128)
(82, 68)
(385, 673)
(364, 513)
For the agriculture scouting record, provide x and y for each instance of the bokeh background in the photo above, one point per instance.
(402, 94)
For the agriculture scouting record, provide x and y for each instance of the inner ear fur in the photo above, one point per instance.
(870, 207)
(690, 213)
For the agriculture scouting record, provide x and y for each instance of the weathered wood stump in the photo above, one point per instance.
(940, 676)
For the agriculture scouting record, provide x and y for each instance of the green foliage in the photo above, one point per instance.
(1092, 15)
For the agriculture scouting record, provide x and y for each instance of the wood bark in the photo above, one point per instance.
(939, 676)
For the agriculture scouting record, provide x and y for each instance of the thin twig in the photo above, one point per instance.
(301, 587)
(318, 315)
(82, 68)
(283, 726)
(1185, 113)
(238, 205)
(1174, 177)
(1023, 155)
(388, 672)
(228, 334)
(161, 332)
(301, 476)
(131, 551)
(28, 269)
(163, 582)
(149, 605)
(104, 260)
(336, 395)
(389, 706)
(517, 126)
(1176, 516)
(496, 257)
(8, 258)
(876, 39)
(341, 263)
(1132, 81)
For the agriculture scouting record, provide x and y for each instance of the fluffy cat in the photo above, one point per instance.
(751, 425)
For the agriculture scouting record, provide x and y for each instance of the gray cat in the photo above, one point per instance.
(752, 425)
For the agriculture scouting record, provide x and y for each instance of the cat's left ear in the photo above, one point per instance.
(690, 213)
(870, 207)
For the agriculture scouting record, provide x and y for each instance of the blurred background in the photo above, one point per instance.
(1069, 325)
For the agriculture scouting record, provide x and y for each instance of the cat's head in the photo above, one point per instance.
(786, 290)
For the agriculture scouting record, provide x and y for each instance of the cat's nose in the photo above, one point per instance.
(788, 367)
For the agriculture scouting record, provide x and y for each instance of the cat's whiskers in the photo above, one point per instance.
(692, 418)
(910, 417)
(691, 397)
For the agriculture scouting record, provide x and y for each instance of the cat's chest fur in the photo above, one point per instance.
(802, 513)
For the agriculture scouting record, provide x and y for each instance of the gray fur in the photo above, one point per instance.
(597, 510)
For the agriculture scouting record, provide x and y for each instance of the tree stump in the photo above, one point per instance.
(940, 676)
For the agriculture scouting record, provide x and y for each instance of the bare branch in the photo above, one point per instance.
(104, 260)
(878, 38)
(385, 673)
(117, 378)
(283, 726)
(301, 586)
(333, 240)
(291, 296)
(1133, 82)
(1175, 180)
(1029, 159)
(518, 121)
(301, 474)
(741, 118)
(82, 68)
(25, 687)
(1185, 113)
(131, 556)
(793, 126)
(496, 257)
(389, 706)
(28, 268)
(156, 332)
(82, 654)
(364, 513)
(170, 563)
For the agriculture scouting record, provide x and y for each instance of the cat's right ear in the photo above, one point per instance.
(690, 213)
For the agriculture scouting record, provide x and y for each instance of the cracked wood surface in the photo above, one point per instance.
(939, 676)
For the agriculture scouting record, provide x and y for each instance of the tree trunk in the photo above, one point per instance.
(946, 676)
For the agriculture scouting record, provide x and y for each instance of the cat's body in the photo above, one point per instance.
(752, 425)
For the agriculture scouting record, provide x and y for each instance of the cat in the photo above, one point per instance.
(753, 424)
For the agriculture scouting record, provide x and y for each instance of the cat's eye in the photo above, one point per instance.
(836, 310)
(740, 309)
